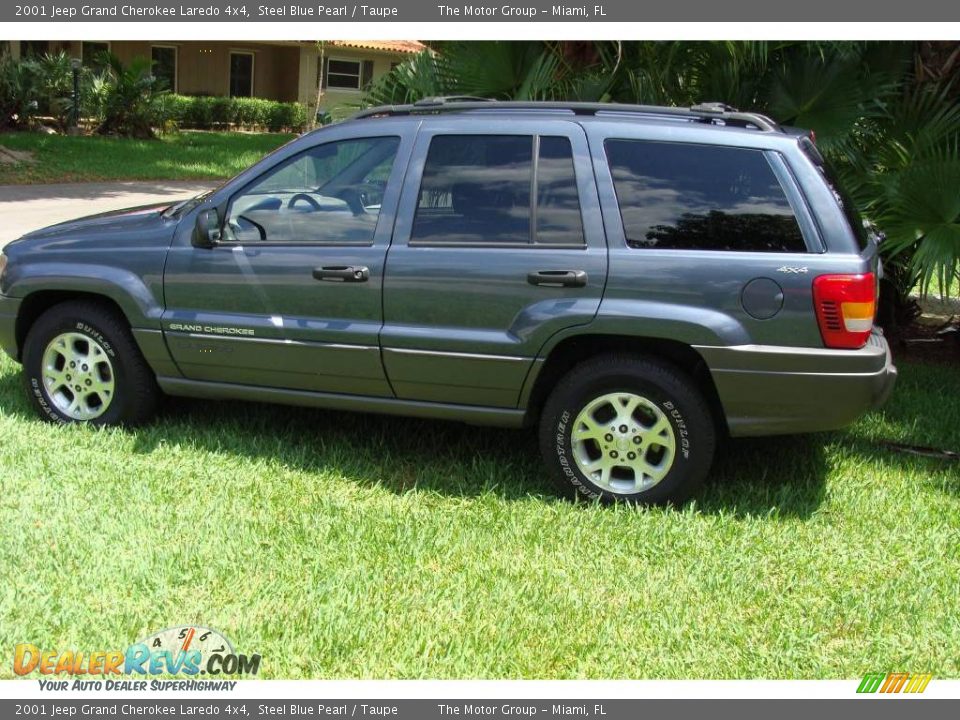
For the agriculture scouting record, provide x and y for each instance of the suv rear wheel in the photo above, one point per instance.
(627, 428)
(81, 364)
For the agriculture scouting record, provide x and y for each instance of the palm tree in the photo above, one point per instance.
(126, 97)
(885, 114)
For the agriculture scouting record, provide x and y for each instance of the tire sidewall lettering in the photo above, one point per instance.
(96, 335)
(679, 426)
(40, 397)
(563, 457)
(35, 383)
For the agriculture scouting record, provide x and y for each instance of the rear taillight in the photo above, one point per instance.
(846, 305)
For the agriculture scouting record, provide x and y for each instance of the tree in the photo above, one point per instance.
(126, 98)
(886, 115)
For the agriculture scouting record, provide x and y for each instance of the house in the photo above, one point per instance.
(279, 70)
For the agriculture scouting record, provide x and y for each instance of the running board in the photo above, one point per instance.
(472, 414)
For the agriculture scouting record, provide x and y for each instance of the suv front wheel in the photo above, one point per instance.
(628, 428)
(82, 365)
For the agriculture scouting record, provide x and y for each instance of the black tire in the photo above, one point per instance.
(135, 396)
(670, 392)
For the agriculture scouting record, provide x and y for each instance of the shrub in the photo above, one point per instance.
(125, 98)
(18, 82)
(54, 77)
(172, 108)
(198, 112)
(207, 113)
(251, 112)
(292, 116)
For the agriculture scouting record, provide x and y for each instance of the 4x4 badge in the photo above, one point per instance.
(791, 269)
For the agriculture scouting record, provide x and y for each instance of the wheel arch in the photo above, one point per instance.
(574, 349)
(38, 302)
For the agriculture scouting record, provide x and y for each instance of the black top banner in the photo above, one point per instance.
(519, 11)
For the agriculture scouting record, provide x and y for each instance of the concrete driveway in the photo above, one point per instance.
(28, 207)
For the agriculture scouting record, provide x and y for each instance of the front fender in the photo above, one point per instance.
(127, 289)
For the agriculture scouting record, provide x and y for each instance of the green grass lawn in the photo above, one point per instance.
(344, 545)
(178, 156)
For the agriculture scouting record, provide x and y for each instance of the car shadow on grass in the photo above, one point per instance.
(771, 476)
(781, 476)
(399, 454)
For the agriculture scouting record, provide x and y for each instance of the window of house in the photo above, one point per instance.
(344, 74)
(165, 65)
(34, 48)
(241, 74)
(700, 197)
(330, 194)
(480, 189)
(91, 53)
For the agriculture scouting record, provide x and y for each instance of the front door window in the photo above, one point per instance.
(330, 194)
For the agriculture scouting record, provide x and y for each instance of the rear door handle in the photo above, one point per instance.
(558, 278)
(342, 273)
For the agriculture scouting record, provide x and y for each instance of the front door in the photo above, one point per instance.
(498, 245)
(291, 296)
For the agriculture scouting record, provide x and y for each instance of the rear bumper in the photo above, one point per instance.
(768, 390)
(8, 325)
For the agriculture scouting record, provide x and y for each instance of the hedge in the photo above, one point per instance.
(204, 113)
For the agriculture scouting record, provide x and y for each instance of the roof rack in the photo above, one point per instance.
(707, 113)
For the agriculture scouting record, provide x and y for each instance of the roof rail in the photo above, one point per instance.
(707, 113)
(440, 100)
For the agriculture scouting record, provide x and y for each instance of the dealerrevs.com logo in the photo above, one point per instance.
(186, 652)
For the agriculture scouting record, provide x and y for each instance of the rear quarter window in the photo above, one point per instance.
(850, 212)
(700, 197)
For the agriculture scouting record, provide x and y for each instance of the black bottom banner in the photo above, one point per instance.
(875, 708)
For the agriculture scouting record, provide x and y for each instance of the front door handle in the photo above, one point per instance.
(342, 273)
(558, 278)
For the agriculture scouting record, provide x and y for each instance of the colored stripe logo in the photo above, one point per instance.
(898, 682)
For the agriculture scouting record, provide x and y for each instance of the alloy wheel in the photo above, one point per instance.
(623, 442)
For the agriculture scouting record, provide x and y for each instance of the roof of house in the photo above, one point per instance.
(394, 46)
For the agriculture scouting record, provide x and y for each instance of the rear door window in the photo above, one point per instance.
(558, 202)
(498, 189)
(700, 197)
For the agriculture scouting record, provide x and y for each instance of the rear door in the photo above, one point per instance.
(498, 245)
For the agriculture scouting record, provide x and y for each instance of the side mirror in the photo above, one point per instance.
(206, 232)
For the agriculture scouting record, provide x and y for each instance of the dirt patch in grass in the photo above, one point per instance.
(934, 337)
(15, 157)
